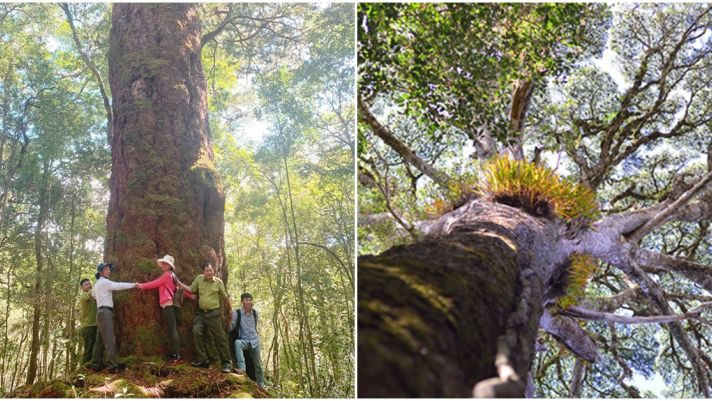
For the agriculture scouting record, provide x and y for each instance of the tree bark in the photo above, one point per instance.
(166, 195)
(459, 308)
(577, 378)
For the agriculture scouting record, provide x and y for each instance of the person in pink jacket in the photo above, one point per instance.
(166, 285)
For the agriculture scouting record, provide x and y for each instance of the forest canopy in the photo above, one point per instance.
(280, 100)
(614, 98)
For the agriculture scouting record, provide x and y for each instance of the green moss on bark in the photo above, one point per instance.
(430, 315)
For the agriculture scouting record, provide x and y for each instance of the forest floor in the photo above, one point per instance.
(145, 378)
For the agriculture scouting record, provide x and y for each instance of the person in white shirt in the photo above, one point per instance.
(102, 292)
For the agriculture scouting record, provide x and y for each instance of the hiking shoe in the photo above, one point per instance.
(226, 369)
(176, 360)
(239, 371)
(203, 364)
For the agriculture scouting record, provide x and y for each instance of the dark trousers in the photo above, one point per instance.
(209, 322)
(105, 320)
(170, 318)
(89, 337)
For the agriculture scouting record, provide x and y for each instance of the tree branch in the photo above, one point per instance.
(215, 32)
(613, 248)
(521, 98)
(598, 316)
(341, 263)
(568, 332)
(654, 262)
(382, 132)
(94, 71)
(577, 378)
(670, 210)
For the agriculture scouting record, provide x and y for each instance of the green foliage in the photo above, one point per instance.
(455, 64)
(289, 207)
(537, 190)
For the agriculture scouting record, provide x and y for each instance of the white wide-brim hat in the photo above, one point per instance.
(168, 259)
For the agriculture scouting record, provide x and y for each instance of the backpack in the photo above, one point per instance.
(235, 332)
(178, 294)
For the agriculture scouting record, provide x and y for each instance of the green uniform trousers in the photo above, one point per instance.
(89, 336)
(209, 323)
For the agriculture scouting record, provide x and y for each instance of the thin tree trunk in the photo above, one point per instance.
(38, 289)
(50, 303)
(292, 362)
(303, 309)
(54, 358)
(275, 290)
(45, 333)
(68, 360)
(287, 243)
(19, 360)
(7, 326)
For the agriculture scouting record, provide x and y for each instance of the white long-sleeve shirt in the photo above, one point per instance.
(103, 288)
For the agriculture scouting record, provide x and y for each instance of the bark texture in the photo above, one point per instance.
(166, 195)
(459, 308)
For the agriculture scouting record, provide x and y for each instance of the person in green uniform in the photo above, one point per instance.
(210, 291)
(87, 321)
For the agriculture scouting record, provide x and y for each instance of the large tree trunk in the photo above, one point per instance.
(166, 195)
(458, 308)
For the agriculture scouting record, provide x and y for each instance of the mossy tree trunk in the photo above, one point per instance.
(456, 309)
(166, 195)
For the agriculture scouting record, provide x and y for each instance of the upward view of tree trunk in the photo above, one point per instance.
(166, 196)
(441, 315)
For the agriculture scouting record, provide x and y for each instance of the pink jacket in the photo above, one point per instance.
(166, 288)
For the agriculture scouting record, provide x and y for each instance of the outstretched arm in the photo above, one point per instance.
(113, 286)
(154, 283)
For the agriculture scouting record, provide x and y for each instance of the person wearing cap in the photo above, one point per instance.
(210, 291)
(102, 292)
(87, 320)
(167, 286)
